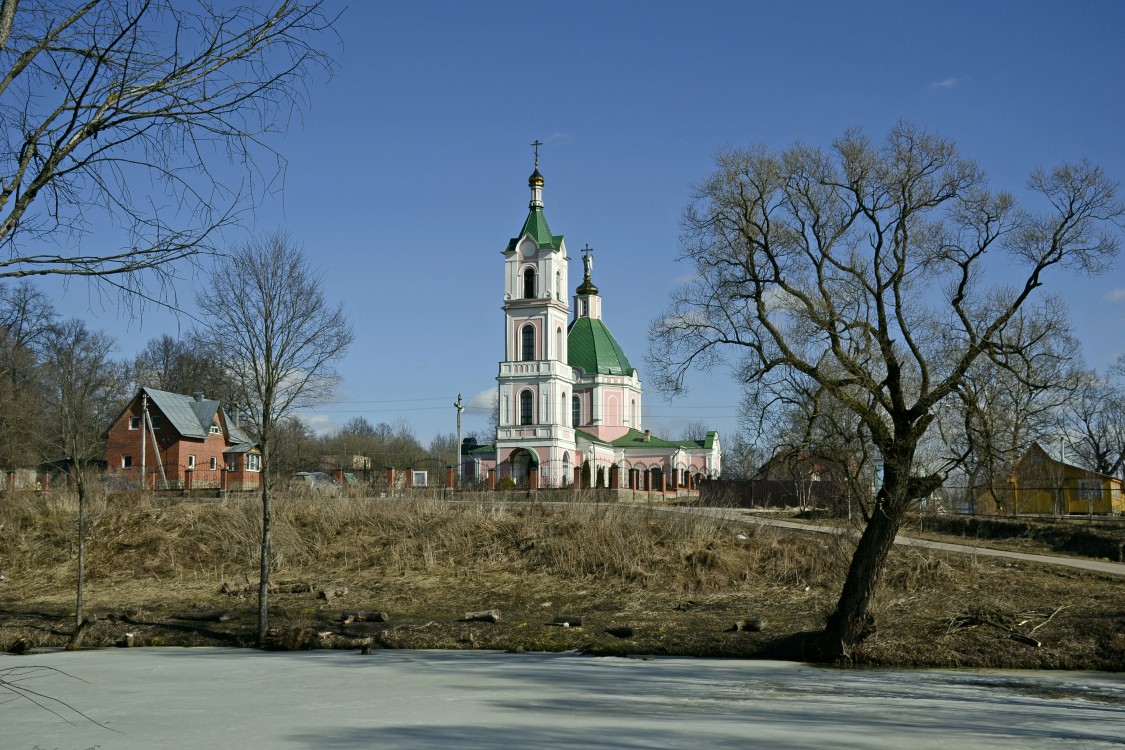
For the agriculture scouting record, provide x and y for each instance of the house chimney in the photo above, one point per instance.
(198, 395)
(648, 436)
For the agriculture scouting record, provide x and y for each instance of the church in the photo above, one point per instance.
(568, 395)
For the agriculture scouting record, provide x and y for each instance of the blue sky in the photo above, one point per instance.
(407, 172)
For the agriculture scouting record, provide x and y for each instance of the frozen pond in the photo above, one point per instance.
(206, 698)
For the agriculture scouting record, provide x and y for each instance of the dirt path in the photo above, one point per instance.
(738, 514)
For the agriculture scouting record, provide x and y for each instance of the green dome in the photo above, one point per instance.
(592, 347)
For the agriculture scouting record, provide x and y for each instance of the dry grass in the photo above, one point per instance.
(680, 580)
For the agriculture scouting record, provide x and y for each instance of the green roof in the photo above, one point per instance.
(636, 439)
(592, 347)
(536, 226)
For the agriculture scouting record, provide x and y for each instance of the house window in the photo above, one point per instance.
(126, 462)
(1089, 489)
(528, 340)
(525, 407)
(216, 430)
(529, 283)
(253, 462)
(134, 423)
(575, 412)
(191, 461)
(214, 463)
(155, 421)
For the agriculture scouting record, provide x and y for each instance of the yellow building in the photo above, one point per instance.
(1041, 484)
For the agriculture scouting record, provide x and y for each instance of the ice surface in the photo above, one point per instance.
(212, 698)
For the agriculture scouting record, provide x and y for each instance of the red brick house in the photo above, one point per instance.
(181, 442)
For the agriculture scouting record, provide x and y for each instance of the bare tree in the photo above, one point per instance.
(861, 268)
(82, 396)
(148, 117)
(173, 364)
(1001, 411)
(277, 338)
(26, 318)
(1096, 418)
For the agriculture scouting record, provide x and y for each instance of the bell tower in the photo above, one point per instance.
(534, 436)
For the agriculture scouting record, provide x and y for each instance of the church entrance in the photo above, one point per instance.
(522, 462)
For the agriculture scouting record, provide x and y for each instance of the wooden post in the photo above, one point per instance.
(390, 481)
(409, 477)
(11, 483)
(45, 482)
(449, 479)
(492, 480)
(224, 480)
(189, 473)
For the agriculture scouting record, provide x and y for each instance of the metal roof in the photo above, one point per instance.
(536, 226)
(592, 347)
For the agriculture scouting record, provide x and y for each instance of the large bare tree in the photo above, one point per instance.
(82, 394)
(133, 131)
(863, 269)
(270, 327)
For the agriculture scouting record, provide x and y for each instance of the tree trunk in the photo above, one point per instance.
(81, 553)
(264, 573)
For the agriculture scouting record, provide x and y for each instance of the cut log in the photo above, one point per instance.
(487, 615)
(361, 615)
(125, 641)
(1027, 640)
(568, 621)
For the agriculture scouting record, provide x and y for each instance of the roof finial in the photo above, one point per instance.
(587, 286)
(536, 144)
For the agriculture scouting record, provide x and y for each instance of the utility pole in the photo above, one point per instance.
(144, 432)
(460, 408)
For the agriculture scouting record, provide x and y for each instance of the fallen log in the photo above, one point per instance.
(487, 615)
(204, 616)
(360, 615)
(330, 594)
(1027, 640)
(75, 641)
(622, 631)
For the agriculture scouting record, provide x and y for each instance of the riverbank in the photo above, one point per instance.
(596, 578)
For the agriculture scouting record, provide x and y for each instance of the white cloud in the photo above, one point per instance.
(947, 83)
(1115, 295)
(480, 403)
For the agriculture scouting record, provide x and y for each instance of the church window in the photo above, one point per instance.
(575, 411)
(528, 341)
(525, 407)
(566, 469)
(529, 283)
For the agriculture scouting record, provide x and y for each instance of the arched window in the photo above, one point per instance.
(527, 334)
(529, 283)
(525, 407)
(567, 476)
(575, 412)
